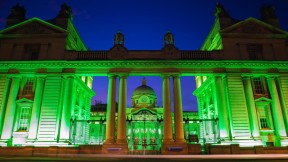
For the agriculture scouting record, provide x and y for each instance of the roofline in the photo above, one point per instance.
(30, 20)
(256, 20)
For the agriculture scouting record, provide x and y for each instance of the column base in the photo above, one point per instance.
(115, 148)
(180, 141)
(108, 142)
(168, 141)
(121, 141)
(174, 148)
(5, 143)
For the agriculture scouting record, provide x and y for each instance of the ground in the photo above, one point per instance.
(154, 158)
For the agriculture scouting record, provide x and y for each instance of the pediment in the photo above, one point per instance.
(263, 99)
(33, 26)
(24, 100)
(253, 26)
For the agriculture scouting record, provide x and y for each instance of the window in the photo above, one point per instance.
(28, 88)
(32, 51)
(259, 87)
(264, 117)
(24, 118)
(254, 51)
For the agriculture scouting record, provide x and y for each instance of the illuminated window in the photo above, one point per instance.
(24, 118)
(264, 117)
(254, 51)
(259, 87)
(28, 88)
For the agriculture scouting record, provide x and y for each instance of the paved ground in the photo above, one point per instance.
(154, 158)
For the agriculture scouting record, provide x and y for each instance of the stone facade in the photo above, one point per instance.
(241, 78)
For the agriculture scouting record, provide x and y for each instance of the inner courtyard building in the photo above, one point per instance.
(46, 76)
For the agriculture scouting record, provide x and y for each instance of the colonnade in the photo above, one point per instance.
(167, 114)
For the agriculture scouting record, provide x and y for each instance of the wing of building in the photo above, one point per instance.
(46, 75)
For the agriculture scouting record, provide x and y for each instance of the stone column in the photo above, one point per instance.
(254, 125)
(10, 109)
(276, 108)
(35, 114)
(121, 134)
(221, 104)
(178, 114)
(283, 101)
(167, 117)
(67, 107)
(111, 106)
(4, 99)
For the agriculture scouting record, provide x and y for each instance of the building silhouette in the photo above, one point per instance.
(46, 87)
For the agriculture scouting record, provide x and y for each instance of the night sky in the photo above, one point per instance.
(144, 23)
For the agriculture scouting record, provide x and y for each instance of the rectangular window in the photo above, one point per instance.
(258, 86)
(263, 118)
(24, 119)
(28, 88)
(264, 115)
(254, 51)
(32, 51)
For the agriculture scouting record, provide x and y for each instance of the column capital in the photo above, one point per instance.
(111, 75)
(176, 75)
(274, 76)
(14, 76)
(246, 76)
(219, 75)
(165, 75)
(68, 76)
(40, 76)
(123, 75)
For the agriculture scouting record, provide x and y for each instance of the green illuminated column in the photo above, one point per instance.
(67, 106)
(167, 118)
(221, 104)
(36, 108)
(10, 109)
(276, 108)
(178, 114)
(4, 99)
(283, 101)
(111, 106)
(251, 106)
(121, 134)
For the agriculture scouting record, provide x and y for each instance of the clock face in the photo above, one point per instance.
(144, 99)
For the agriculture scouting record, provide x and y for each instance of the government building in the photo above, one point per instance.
(241, 73)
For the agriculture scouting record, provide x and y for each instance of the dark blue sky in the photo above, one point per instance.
(144, 22)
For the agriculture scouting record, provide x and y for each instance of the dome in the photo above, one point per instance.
(144, 96)
(144, 90)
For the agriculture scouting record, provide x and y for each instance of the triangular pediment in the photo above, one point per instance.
(33, 26)
(262, 101)
(24, 100)
(253, 26)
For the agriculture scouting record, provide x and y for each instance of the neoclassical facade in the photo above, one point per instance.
(144, 122)
(241, 77)
(247, 93)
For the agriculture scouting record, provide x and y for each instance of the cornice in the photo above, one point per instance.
(143, 64)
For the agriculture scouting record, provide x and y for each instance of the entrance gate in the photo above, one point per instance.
(144, 133)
